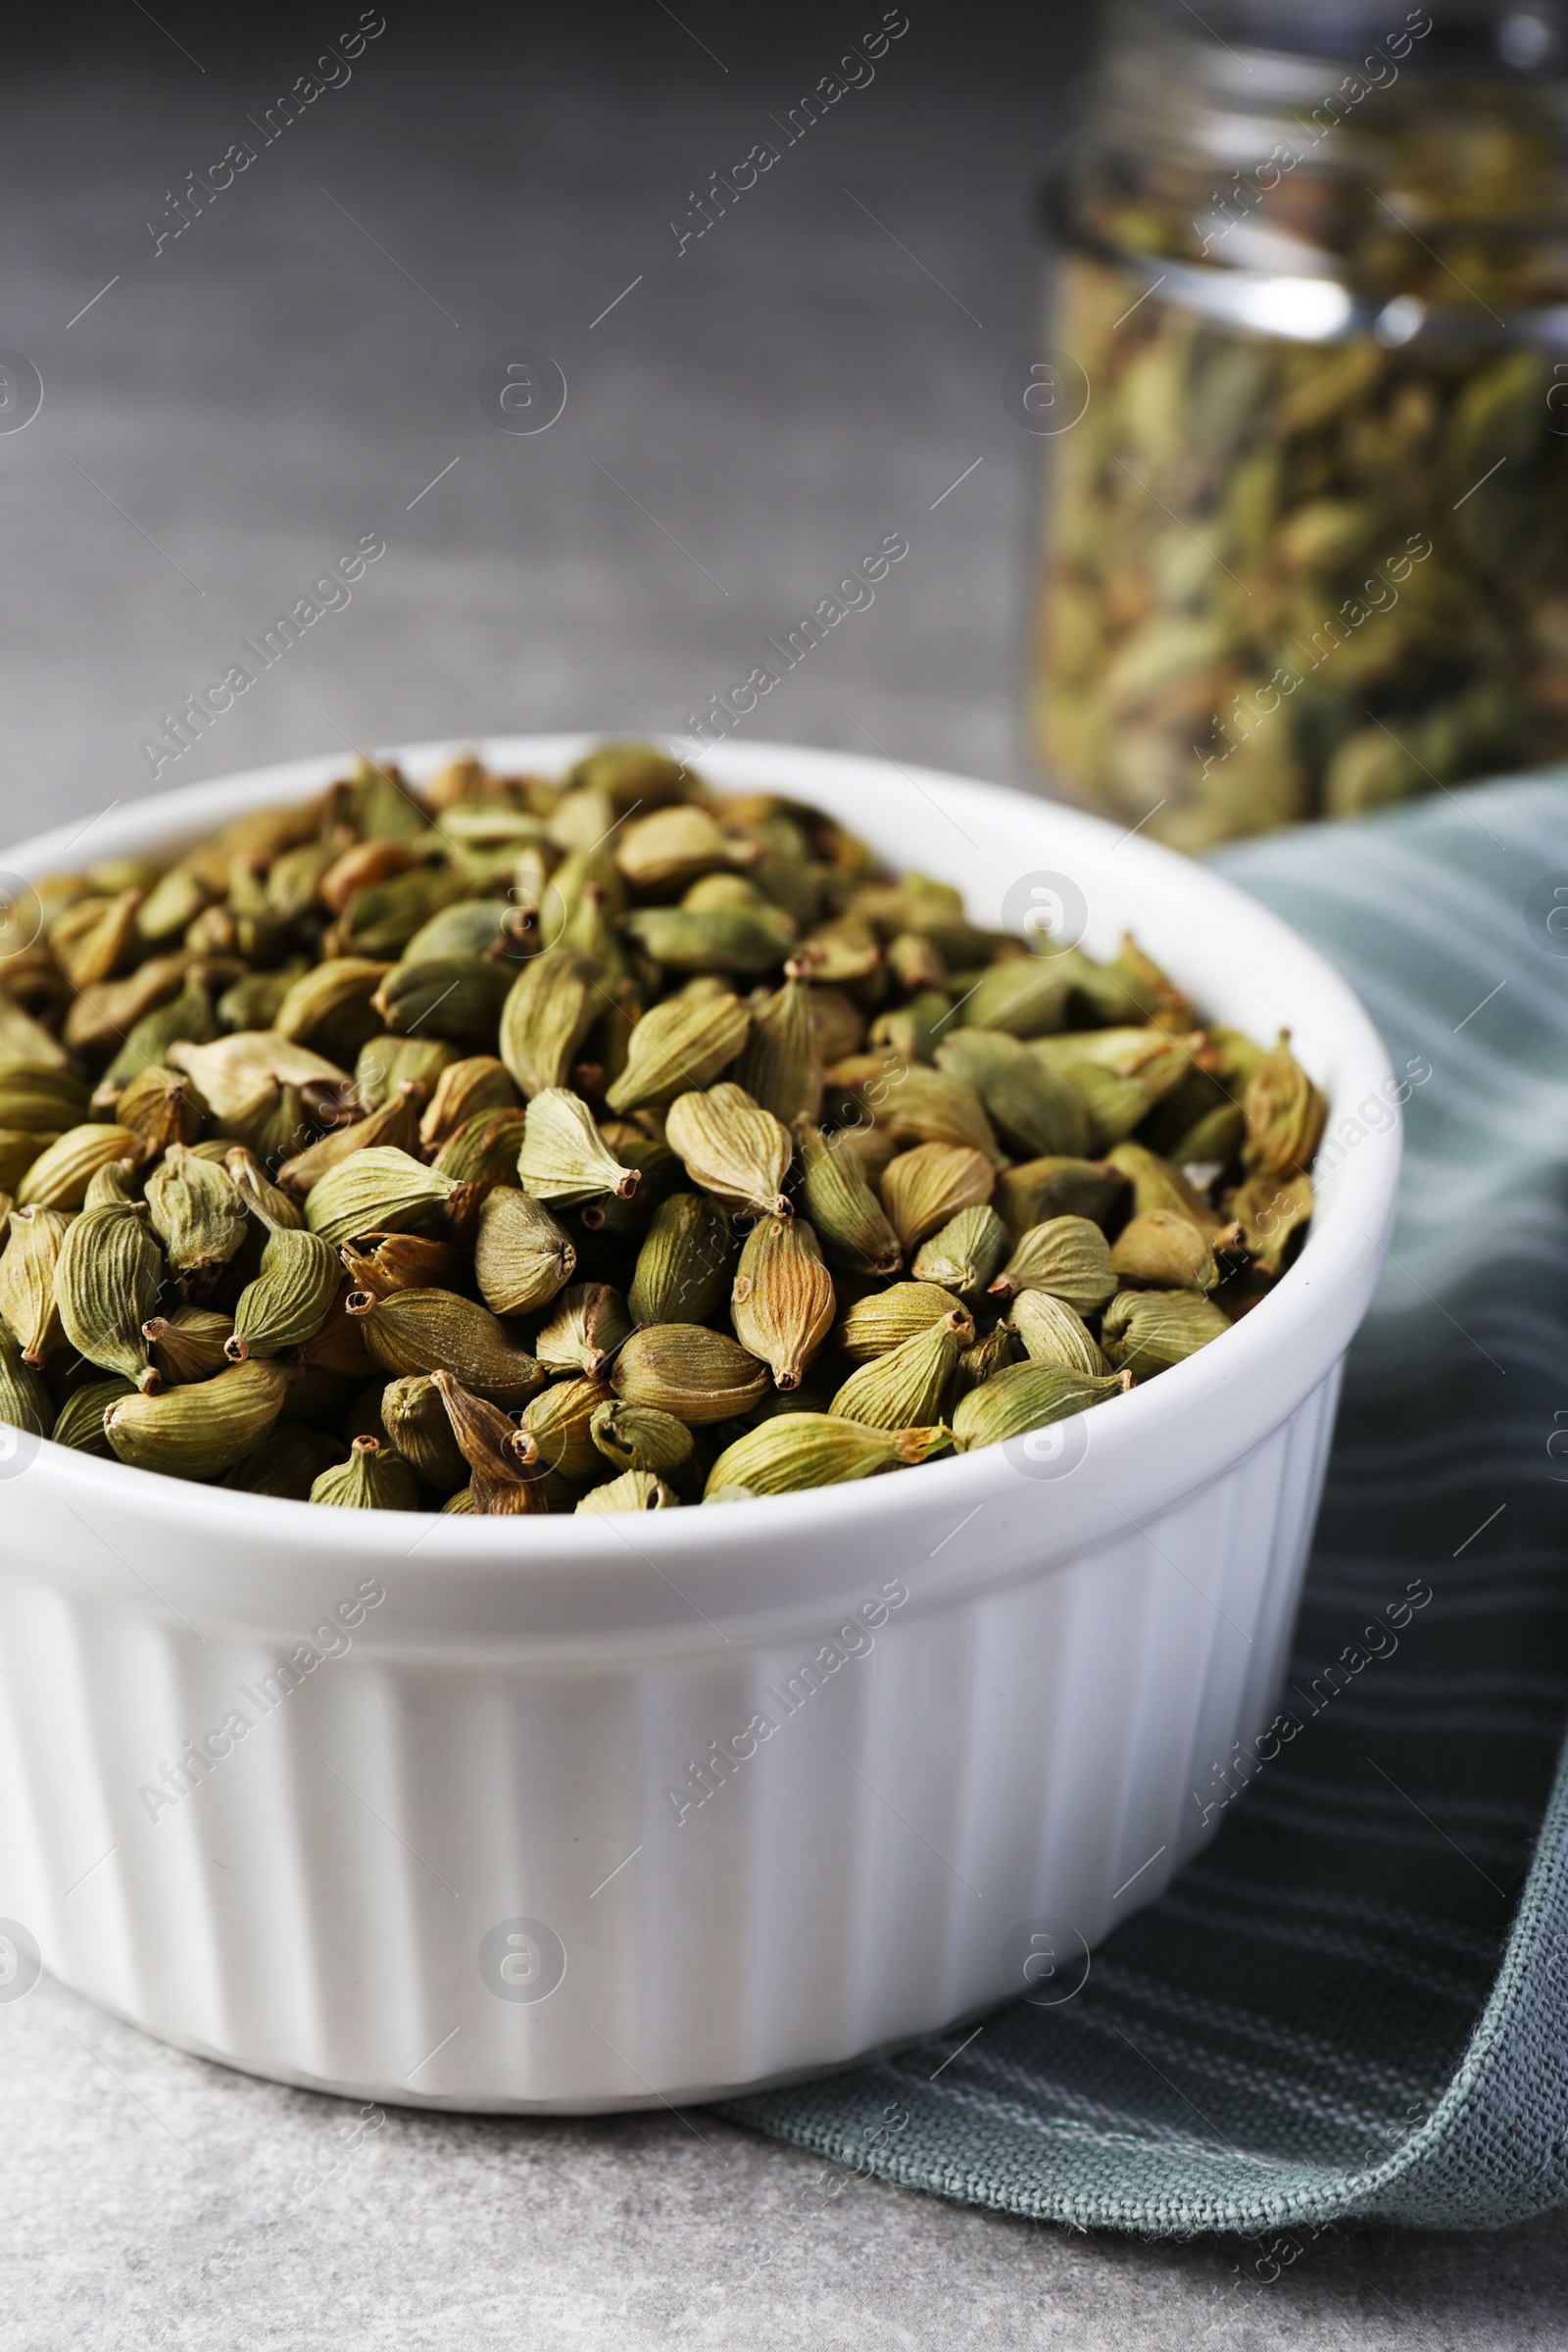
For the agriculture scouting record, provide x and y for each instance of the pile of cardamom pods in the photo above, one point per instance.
(605, 1144)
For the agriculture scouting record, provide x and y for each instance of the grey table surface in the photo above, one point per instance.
(223, 412)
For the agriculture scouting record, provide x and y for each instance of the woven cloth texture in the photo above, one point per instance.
(1354, 2002)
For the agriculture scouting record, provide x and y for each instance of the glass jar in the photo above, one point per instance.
(1306, 536)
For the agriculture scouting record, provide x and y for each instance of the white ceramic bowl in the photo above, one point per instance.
(460, 1855)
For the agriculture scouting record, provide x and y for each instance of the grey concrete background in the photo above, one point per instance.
(236, 407)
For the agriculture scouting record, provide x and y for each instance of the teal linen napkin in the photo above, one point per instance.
(1354, 2003)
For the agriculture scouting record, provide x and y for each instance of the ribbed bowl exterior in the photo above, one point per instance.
(677, 1806)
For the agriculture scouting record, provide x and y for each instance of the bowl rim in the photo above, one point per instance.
(1311, 1311)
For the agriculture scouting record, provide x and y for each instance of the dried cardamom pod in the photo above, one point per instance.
(1069, 1257)
(456, 997)
(904, 1388)
(1027, 997)
(681, 1043)
(559, 1423)
(685, 1369)
(113, 1186)
(1285, 1115)
(1268, 1211)
(782, 1305)
(585, 1326)
(982, 1363)
(233, 1071)
(45, 1102)
(1054, 1333)
(552, 1006)
(732, 1148)
(663, 852)
(1115, 1104)
(436, 1331)
(415, 1421)
(632, 1491)
(375, 1478)
(1058, 1185)
(1031, 1105)
(24, 1399)
(781, 1067)
(264, 1198)
(965, 1253)
(922, 1189)
(393, 1125)
(198, 1214)
(58, 1177)
(381, 1190)
(1212, 1141)
(163, 1107)
(522, 1258)
(290, 1298)
(793, 1451)
(836, 1195)
(484, 1152)
(684, 1266)
(564, 1155)
(200, 1430)
(1158, 1249)
(91, 938)
(1027, 1396)
(918, 1105)
(26, 1044)
(1145, 1332)
(1157, 1184)
(461, 1090)
(286, 1464)
(385, 1062)
(33, 1242)
(884, 1320)
(913, 1032)
(81, 1423)
(329, 1005)
(189, 1345)
(508, 1480)
(402, 1261)
(638, 1436)
(748, 940)
(107, 1280)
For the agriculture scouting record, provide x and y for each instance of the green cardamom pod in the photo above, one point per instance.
(661, 853)
(1212, 1141)
(198, 1214)
(1115, 1104)
(685, 1369)
(966, 1251)
(1053, 1333)
(836, 1195)
(163, 1107)
(551, 1007)
(402, 1261)
(199, 1430)
(793, 1451)
(1145, 1332)
(189, 1345)
(585, 1326)
(431, 1330)
(33, 1243)
(1158, 1250)
(264, 1199)
(329, 1005)
(522, 1258)
(923, 1189)
(564, 1155)
(1026, 1396)
(1069, 1257)
(681, 1043)
(385, 1064)
(106, 1285)
(507, 1477)
(381, 1190)
(782, 1305)
(1033, 1107)
(903, 1389)
(632, 1491)
(1285, 1115)
(561, 1424)
(58, 1177)
(24, 1399)
(1157, 1184)
(290, 1298)
(638, 1436)
(781, 1067)
(415, 1420)
(981, 1362)
(45, 1102)
(732, 1148)
(713, 939)
(684, 1265)
(461, 1092)
(1058, 1185)
(1027, 997)
(484, 1152)
(233, 1071)
(1268, 1211)
(885, 1319)
(393, 1125)
(375, 1478)
(80, 1424)
(456, 997)
(90, 939)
